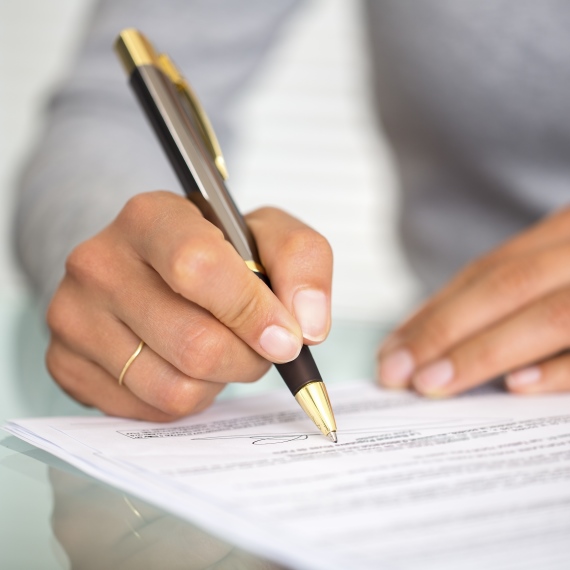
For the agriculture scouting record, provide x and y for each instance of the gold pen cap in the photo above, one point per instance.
(135, 50)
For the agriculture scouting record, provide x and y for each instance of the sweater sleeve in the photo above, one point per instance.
(97, 150)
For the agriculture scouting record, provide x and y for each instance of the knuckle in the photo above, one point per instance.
(438, 332)
(191, 264)
(245, 313)
(64, 370)
(78, 264)
(265, 215)
(185, 398)
(143, 215)
(558, 312)
(64, 316)
(514, 278)
(56, 315)
(137, 208)
(255, 372)
(89, 265)
(177, 406)
(265, 212)
(201, 354)
(305, 240)
(53, 362)
(207, 398)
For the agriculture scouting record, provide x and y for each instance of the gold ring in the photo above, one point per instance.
(130, 361)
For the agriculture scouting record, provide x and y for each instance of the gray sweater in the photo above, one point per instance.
(471, 94)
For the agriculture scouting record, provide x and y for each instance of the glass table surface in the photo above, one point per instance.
(54, 517)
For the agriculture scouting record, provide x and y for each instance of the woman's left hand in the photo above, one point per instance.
(507, 313)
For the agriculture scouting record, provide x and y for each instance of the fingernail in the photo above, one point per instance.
(279, 344)
(396, 368)
(523, 377)
(311, 311)
(434, 376)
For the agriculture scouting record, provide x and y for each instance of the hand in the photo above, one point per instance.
(507, 313)
(162, 273)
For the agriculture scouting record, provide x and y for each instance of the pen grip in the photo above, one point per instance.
(299, 372)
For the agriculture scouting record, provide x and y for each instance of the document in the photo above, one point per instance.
(477, 481)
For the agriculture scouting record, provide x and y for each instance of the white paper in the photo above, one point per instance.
(479, 481)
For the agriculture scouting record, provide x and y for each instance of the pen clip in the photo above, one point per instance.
(208, 135)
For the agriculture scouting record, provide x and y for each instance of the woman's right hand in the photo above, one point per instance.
(162, 273)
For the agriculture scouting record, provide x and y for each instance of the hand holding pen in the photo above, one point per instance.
(162, 274)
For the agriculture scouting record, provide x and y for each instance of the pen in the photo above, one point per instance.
(190, 143)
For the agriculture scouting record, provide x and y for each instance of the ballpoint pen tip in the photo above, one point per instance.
(332, 436)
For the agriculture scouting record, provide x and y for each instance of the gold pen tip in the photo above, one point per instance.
(332, 436)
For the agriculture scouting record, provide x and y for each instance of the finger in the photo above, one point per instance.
(552, 375)
(103, 340)
(550, 232)
(423, 312)
(90, 385)
(186, 335)
(193, 258)
(486, 300)
(299, 263)
(539, 331)
(152, 389)
(181, 332)
(157, 382)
